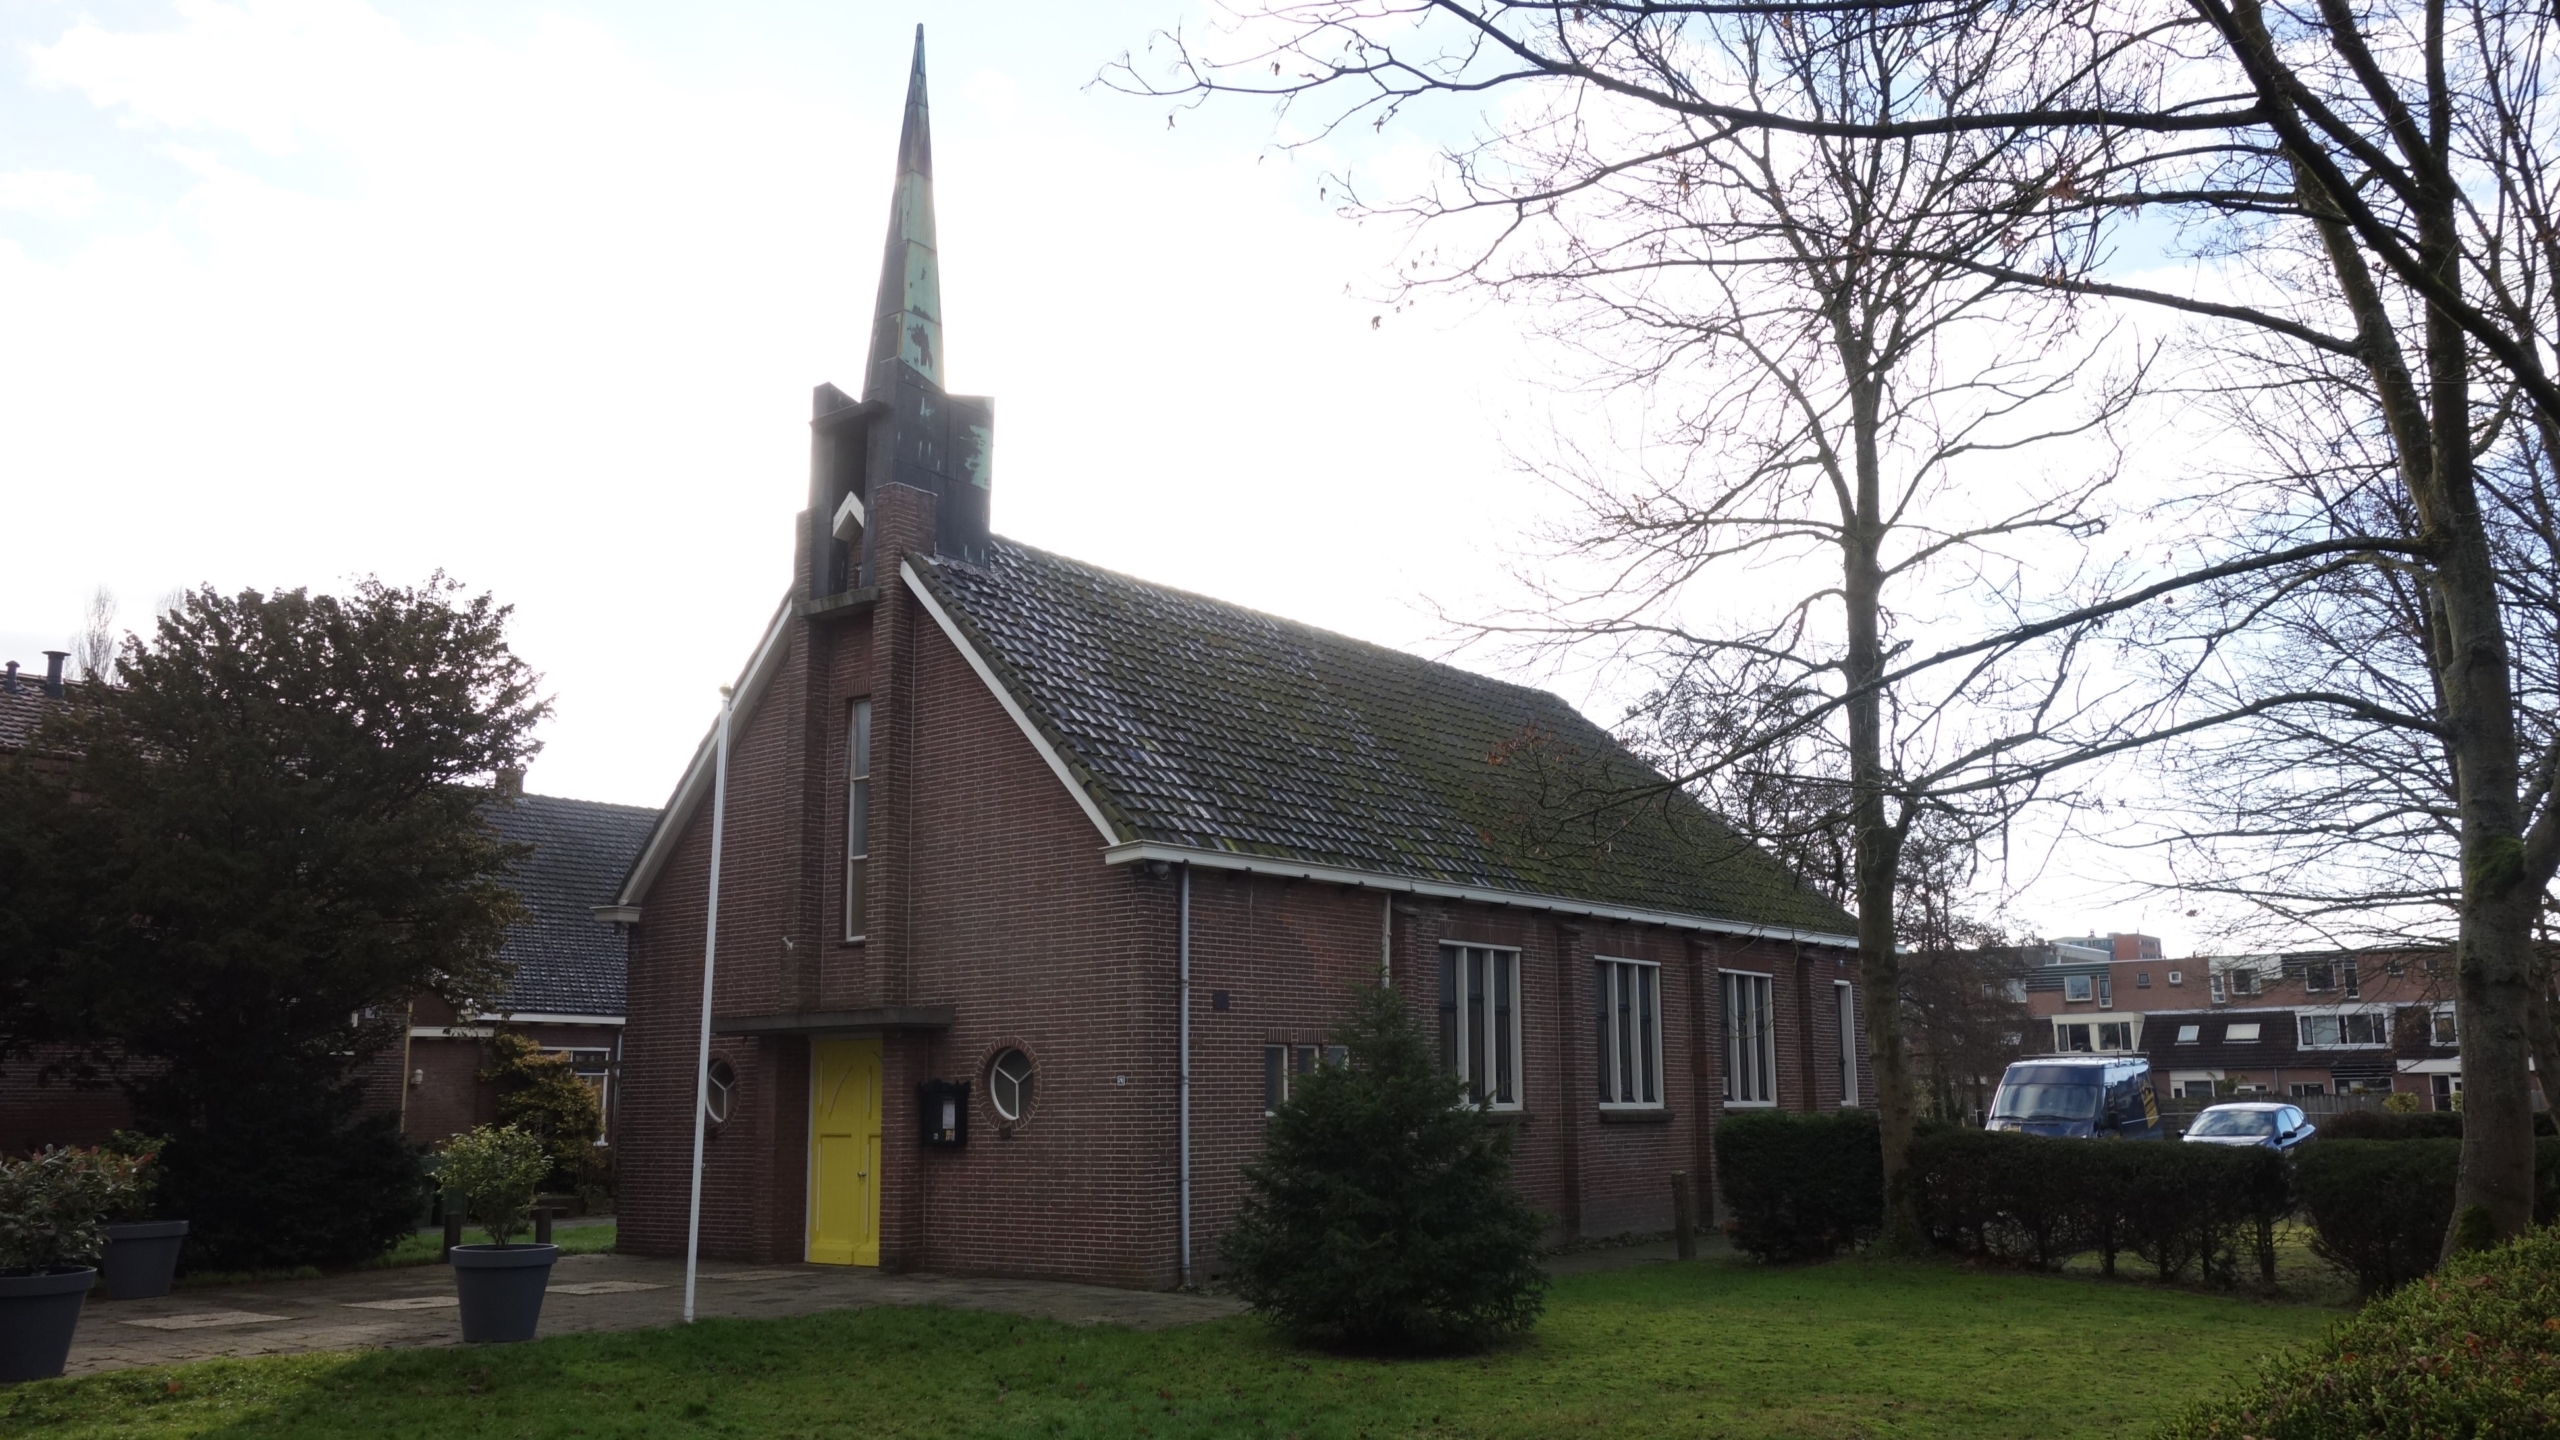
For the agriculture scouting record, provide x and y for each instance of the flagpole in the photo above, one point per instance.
(710, 949)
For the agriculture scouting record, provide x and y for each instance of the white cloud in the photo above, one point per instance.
(48, 194)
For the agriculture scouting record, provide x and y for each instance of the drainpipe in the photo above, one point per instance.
(1182, 951)
(1387, 943)
(710, 949)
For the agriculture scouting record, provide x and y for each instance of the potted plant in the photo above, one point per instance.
(141, 1255)
(498, 1171)
(50, 1209)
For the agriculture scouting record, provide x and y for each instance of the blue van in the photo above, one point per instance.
(2078, 1096)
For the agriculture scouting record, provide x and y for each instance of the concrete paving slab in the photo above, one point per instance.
(200, 1320)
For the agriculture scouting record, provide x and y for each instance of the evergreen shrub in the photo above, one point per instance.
(540, 1094)
(1800, 1186)
(2402, 1125)
(2474, 1351)
(2379, 1209)
(289, 1177)
(1381, 1215)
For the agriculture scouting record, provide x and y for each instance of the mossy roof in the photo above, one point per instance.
(1196, 723)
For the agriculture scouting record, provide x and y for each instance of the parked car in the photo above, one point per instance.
(2078, 1096)
(2252, 1122)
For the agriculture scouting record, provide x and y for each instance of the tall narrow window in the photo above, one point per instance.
(1845, 996)
(1480, 1021)
(857, 816)
(1750, 1041)
(1630, 1032)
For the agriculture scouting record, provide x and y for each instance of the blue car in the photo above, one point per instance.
(2252, 1123)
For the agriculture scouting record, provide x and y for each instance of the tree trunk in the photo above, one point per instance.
(1877, 838)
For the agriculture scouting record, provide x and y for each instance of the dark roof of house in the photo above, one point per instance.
(1192, 722)
(21, 712)
(2213, 1049)
(566, 961)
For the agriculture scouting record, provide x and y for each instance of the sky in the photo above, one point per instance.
(299, 291)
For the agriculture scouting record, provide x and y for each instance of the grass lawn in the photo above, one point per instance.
(426, 1247)
(1715, 1348)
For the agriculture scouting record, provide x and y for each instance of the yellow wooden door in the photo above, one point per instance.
(844, 1152)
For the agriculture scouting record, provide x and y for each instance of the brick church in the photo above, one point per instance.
(1040, 884)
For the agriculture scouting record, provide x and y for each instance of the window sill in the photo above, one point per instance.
(1610, 1115)
(1751, 1104)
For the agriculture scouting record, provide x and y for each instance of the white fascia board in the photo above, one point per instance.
(450, 1032)
(2431, 1067)
(1012, 707)
(536, 1017)
(1136, 850)
(695, 787)
(849, 518)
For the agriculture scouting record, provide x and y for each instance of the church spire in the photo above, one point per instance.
(906, 325)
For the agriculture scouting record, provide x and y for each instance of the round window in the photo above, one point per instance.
(722, 1089)
(1009, 1084)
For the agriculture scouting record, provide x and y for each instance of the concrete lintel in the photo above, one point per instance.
(819, 1022)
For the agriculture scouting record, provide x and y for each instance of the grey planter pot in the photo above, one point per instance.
(37, 1316)
(501, 1289)
(141, 1258)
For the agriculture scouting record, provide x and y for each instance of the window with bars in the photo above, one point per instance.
(1480, 1021)
(1630, 1033)
(1750, 1040)
(857, 816)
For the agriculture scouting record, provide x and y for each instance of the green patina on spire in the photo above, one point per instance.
(906, 328)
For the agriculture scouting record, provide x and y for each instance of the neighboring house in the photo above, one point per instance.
(567, 988)
(566, 992)
(2093, 993)
(1040, 885)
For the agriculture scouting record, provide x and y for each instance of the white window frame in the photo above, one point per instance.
(2123, 1027)
(1628, 1081)
(1473, 970)
(1758, 1050)
(2443, 1031)
(1844, 1003)
(857, 819)
(2190, 1034)
(2088, 989)
(2231, 1033)
(2062, 1038)
(2380, 1020)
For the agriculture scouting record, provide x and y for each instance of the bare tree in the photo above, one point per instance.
(94, 648)
(2409, 148)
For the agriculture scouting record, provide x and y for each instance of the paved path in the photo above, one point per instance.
(415, 1306)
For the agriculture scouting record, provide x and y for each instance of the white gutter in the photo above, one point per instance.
(536, 1017)
(1136, 850)
(1012, 707)
(696, 784)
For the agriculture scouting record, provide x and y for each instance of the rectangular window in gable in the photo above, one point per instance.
(857, 817)
(1630, 1032)
(1480, 1021)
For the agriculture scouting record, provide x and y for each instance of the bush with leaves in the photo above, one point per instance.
(498, 1170)
(2379, 1209)
(1800, 1187)
(1381, 1215)
(540, 1093)
(53, 1206)
(2474, 1351)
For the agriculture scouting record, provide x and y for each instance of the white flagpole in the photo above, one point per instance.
(710, 948)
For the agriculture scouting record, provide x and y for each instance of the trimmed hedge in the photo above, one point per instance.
(2423, 1125)
(2037, 1201)
(1798, 1186)
(2473, 1351)
(2379, 1208)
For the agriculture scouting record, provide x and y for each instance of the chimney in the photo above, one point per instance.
(53, 661)
(9, 682)
(511, 782)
